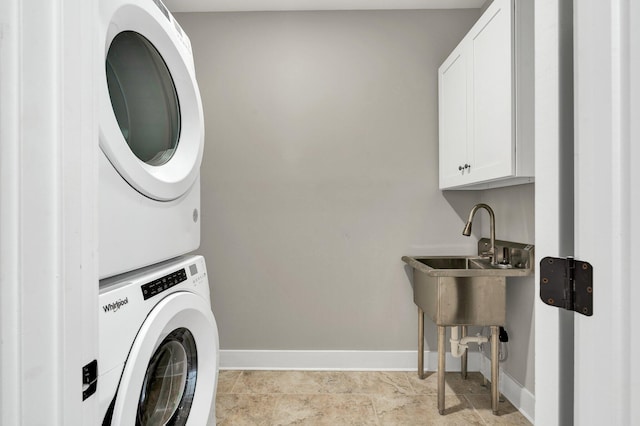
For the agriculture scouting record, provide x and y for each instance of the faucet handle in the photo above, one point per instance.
(505, 256)
(488, 253)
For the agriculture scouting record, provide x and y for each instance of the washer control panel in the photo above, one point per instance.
(161, 284)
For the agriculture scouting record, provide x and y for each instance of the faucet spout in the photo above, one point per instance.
(467, 229)
(492, 217)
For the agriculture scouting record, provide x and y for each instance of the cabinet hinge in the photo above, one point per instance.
(567, 283)
(89, 379)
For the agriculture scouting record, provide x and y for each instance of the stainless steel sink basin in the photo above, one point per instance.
(458, 292)
(468, 290)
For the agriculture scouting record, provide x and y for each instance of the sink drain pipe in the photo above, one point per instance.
(459, 346)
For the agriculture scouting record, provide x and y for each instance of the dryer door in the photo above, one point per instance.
(171, 373)
(151, 121)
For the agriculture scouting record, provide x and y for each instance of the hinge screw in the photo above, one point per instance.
(545, 280)
(589, 290)
(551, 301)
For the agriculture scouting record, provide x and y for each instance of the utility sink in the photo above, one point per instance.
(468, 290)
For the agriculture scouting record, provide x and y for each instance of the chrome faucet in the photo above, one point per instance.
(467, 230)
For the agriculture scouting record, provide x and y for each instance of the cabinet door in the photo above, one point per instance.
(492, 152)
(453, 117)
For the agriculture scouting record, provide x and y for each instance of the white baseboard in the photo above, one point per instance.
(520, 397)
(338, 360)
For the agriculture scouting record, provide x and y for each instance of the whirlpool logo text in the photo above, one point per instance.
(115, 306)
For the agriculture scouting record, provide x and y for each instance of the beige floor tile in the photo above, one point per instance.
(280, 382)
(507, 413)
(454, 384)
(370, 382)
(326, 382)
(226, 380)
(423, 410)
(241, 410)
(354, 398)
(324, 409)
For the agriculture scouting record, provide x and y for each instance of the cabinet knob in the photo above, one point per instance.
(460, 168)
(467, 166)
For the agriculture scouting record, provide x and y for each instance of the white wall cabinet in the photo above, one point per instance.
(486, 101)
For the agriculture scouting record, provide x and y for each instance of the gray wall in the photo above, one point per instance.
(320, 172)
(514, 209)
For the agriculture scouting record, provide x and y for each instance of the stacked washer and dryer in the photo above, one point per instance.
(158, 353)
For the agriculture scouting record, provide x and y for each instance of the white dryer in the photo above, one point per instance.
(158, 353)
(151, 138)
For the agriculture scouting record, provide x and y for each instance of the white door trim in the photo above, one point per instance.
(48, 183)
(634, 203)
(554, 204)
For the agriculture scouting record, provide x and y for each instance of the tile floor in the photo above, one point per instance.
(354, 398)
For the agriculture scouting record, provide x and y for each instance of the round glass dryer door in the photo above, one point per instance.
(170, 381)
(143, 97)
(151, 119)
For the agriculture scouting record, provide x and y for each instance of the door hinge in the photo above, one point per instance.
(89, 379)
(567, 283)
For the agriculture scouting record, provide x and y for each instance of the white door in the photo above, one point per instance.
(607, 189)
(586, 367)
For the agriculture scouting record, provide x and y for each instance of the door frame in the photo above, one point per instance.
(553, 203)
(48, 226)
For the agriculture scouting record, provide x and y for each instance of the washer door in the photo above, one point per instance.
(171, 373)
(151, 121)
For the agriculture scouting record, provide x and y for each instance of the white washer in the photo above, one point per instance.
(158, 353)
(151, 138)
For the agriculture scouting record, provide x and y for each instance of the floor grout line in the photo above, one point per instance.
(475, 410)
(275, 407)
(375, 410)
(235, 382)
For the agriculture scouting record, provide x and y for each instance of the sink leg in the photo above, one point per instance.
(463, 359)
(420, 343)
(441, 367)
(495, 393)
